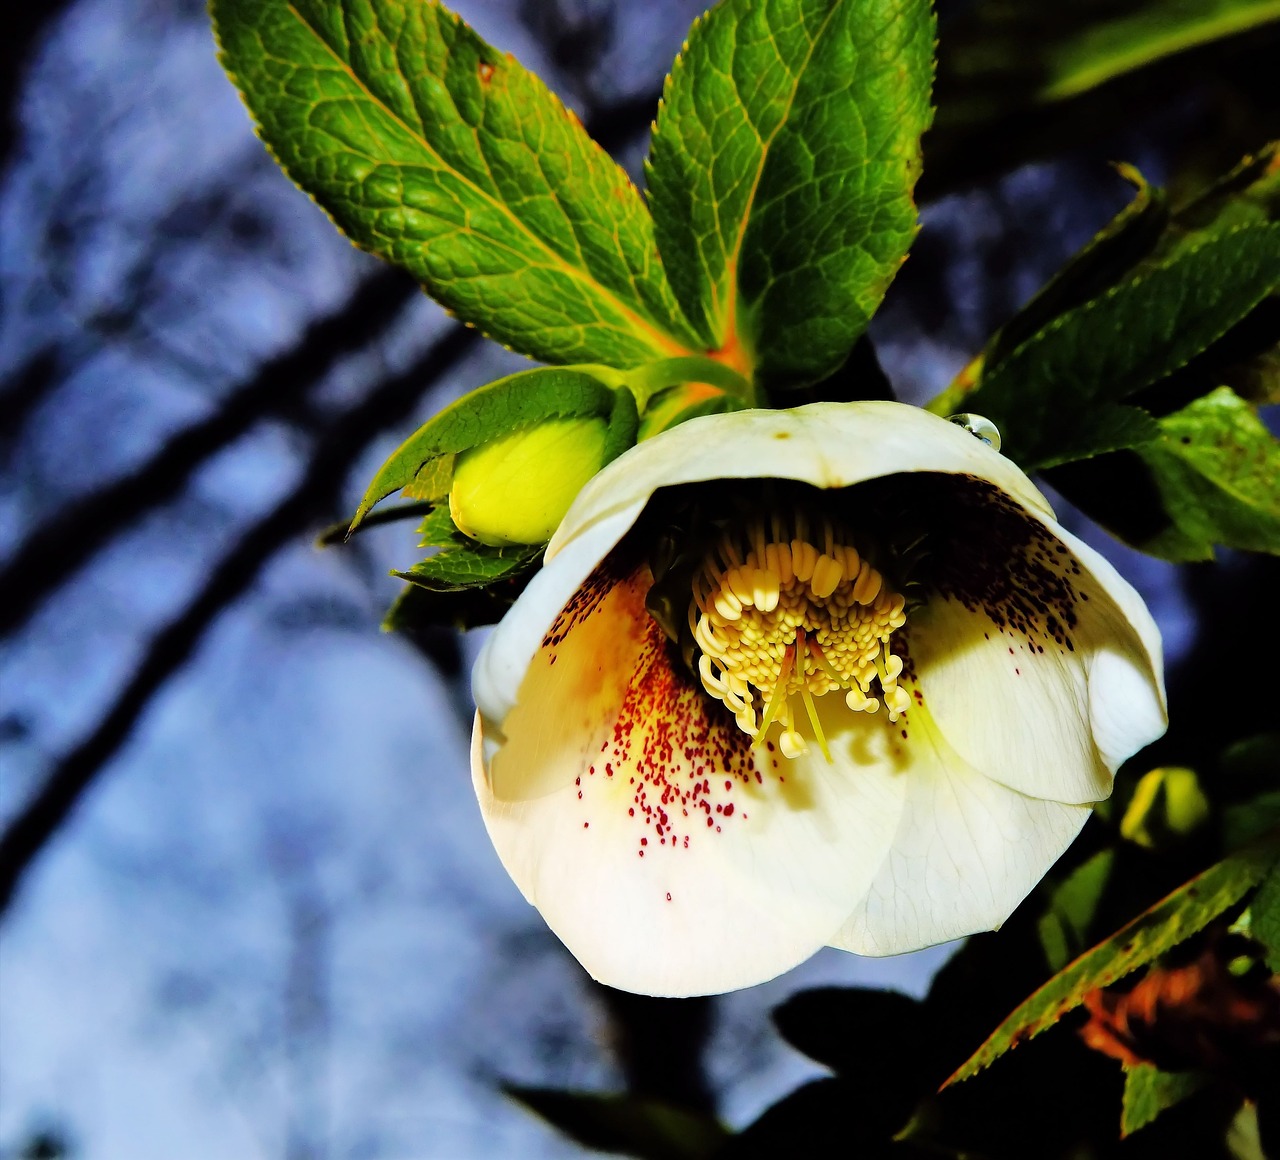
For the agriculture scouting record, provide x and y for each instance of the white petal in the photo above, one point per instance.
(511, 646)
(675, 859)
(967, 851)
(1046, 673)
(824, 444)
(1127, 703)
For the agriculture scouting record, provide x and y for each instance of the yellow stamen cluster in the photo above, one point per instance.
(776, 616)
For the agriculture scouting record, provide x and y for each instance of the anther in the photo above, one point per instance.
(779, 623)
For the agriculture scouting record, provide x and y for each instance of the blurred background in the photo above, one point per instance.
(248, 905)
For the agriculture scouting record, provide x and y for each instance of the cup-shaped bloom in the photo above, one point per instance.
(791, 678)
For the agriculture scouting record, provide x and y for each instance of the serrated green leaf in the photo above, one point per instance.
(517, 401)
(1124, 340)
(1108, 256)
(441, 154)
(1264, 922)
(1174, 918)
(461, 562)
(1248, 195)
(1216, 468)
(781, 173)
(1149, 1091)
(471, 565)
(438, 530)
(1105, 259)
(1104, 427)
(631, 1125)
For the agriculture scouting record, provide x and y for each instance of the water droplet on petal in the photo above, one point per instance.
(979, 426)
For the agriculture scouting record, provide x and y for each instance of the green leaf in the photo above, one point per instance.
(1264, 922)
(856, 1031)
(781, 173)
(1149, 1091)
(632, 1125)
(417, 609)
(1216, 469)
(1246, 821)
(1248, 195)
(507, 405)
(1128, 338)
(1105, 427)
(1110, 255)
(438, 530)
(1074, 902)
(1019, 79)
(1174, 918)
(461, 562)
(435, 151)
(1145, 33)
(471, 565)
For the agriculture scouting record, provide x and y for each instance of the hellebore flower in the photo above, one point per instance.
(791, 678)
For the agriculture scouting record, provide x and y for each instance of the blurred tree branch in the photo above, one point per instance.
(64, 542)
(24, 25)
(344, 440)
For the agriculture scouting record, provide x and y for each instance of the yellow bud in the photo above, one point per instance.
(516, 489)
(1167, 804)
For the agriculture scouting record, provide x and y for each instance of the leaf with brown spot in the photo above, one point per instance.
(1174, 918)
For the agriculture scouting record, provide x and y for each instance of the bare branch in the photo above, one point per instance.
(344, 441)
(62, 544)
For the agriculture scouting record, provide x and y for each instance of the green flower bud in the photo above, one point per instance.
(1167, 804)
(516, 489)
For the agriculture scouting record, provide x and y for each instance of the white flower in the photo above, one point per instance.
(871, 710)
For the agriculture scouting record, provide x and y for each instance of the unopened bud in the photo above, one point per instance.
(516, 489)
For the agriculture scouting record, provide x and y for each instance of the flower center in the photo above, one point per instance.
(780, 617)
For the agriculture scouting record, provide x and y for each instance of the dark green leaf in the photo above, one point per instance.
(439, 531)
(1128, 338)
(1108, 257)
(419, 609)
(1064, 926)
(1105, 427)
(471, 565)
(1244, 822)
(1019, 79)
(826, 1119)
(1148, 1092)
(433, 150)
(1217, 471)
(855, 1030)
(1167, 923)
(781, 173)
(626, 1124)
(519, 400)
(1248, 195)
(1264, 917)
